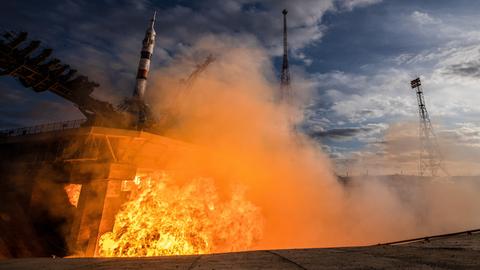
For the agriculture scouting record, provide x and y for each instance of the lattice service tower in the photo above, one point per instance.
(285, 89)
(430, 158)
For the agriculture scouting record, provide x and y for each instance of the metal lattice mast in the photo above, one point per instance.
(285, 89)
(430, 158)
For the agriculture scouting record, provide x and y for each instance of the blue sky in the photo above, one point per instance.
(356, 56)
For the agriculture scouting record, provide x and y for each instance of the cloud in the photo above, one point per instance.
(351, 4)
(339, 133)
(362, 133)
(380, 94)
(467, 69)
(102, 39)
(397, 150)
(355, 98)
(423, 18)
(467, 134)
(353, 104)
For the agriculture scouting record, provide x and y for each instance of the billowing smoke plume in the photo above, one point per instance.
(248, 139)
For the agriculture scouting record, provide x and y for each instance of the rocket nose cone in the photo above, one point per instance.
(152, 21)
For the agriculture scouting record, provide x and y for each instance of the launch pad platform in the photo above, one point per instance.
(461, 251)
(36, 216)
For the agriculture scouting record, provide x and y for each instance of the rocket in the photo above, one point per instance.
(144, 64)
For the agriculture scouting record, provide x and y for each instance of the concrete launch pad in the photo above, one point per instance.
(452, 252)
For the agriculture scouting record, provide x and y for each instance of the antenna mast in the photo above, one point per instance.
(285, 89)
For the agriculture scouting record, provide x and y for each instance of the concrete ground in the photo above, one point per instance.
(452, 252)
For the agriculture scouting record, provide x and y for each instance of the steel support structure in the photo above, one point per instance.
(430, 157)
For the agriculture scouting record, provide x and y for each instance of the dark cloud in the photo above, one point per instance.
(467, 69)
(340, 133)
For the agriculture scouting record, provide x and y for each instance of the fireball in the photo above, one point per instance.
(165, 218)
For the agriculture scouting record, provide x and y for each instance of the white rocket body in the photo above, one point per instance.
(144, 64)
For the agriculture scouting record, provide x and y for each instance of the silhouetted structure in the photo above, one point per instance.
(36, 71)
(285, 89)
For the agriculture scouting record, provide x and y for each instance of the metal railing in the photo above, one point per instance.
(428, 238)
(42, 128)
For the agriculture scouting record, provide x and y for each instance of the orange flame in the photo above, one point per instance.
(168, 219)
(73, 193)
